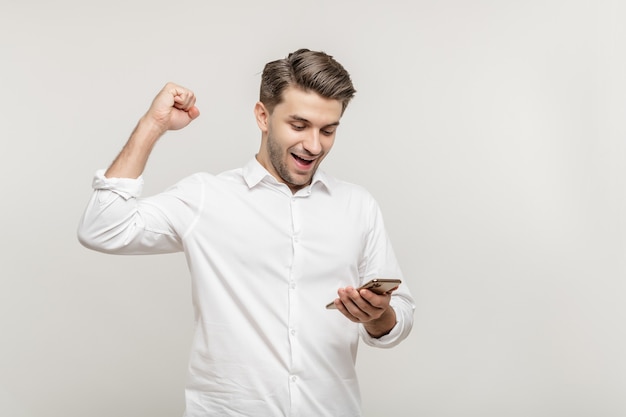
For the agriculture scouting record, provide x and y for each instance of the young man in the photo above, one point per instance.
(268, 246)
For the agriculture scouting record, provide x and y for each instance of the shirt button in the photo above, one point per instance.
(294, 378)
(292, 285)
(293, 332)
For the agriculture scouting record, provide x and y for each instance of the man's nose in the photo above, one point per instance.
(312, 143)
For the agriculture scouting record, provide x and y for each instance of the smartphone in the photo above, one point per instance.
(377, 285)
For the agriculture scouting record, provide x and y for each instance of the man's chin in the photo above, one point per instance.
(299, 181)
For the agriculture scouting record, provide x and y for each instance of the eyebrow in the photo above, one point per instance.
(302, 119)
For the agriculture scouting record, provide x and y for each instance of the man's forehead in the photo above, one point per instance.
(308, 105)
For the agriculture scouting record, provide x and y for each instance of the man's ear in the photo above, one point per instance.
(262, 116)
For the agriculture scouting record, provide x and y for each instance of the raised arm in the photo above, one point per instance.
(115, 221)
(172, 109)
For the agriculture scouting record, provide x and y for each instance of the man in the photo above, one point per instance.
(268, 245)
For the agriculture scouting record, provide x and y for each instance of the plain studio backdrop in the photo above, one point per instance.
(491, 133)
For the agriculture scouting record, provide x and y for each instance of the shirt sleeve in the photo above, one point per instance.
(404, 308)
(380, 262)
(118, 221)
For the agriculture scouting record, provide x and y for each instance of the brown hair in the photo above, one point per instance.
(310, 71)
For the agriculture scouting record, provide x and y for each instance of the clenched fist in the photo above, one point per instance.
(173, 108)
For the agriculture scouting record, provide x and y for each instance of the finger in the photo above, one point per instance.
(184, 101)
(183, 97)
(342, 308)
(356, 305)
(378, 301)
(362, 298)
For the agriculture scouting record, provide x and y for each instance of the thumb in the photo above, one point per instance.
(193, 112)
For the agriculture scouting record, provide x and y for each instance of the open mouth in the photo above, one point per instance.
(301, 161)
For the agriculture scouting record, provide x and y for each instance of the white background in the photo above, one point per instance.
(491, 132)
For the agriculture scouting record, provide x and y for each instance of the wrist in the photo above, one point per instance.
(383, 325)
(148, 130)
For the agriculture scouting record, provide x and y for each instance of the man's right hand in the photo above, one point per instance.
(173, 108)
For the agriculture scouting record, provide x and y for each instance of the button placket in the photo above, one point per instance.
(292, 323)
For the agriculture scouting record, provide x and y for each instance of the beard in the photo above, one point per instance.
(276, 154)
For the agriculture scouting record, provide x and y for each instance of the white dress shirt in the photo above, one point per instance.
(264, 263)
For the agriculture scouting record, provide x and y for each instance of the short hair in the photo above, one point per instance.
(310, 71)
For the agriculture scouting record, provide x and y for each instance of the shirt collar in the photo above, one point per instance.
(254, 173)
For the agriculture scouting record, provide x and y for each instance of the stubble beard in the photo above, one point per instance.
(275, 153)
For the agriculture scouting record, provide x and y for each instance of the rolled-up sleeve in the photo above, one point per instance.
(117, 221)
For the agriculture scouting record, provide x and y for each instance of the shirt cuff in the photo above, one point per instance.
(125, 187)
(389, 340)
